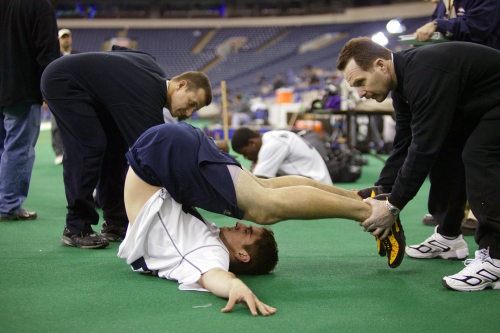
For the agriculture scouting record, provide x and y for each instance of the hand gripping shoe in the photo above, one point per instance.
(393, 246)
(372, 192)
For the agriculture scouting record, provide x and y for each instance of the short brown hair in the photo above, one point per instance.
(197, 80)
(364, 51)
(263, 256)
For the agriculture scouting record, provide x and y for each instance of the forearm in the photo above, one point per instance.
(219, 282)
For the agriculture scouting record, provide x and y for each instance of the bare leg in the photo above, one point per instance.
(285, 181)
(267, 205)
(136, 194)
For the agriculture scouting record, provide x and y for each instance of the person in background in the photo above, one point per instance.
(65, 44)
(28, 39)
(278, 153)
(476, 21)
(241, 114)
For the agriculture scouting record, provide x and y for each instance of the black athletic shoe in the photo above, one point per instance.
(113, 233)
(469, 226)
(428, 219)
(88, 240)
(393, 246)
(371, 191)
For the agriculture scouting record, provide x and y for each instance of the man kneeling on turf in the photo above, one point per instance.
(189, 169)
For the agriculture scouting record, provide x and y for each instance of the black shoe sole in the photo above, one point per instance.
(17, 218)
(112, 237)
(66, 241)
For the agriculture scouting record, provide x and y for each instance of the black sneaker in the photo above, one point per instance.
(428, 219)
(468, 227)
(113, 233)
(393, 246)
(371, 191)
(89, 240)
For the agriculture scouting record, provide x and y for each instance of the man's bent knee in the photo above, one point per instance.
(260, 217)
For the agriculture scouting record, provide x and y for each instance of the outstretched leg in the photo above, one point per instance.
(264, 202)
(291, 180)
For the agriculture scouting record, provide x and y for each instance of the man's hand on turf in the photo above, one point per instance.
(225, 284)
(380, 221)
(240, 293)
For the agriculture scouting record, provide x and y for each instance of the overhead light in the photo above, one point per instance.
(395, 26)
(380, 38)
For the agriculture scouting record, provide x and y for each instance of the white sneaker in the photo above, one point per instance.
(438, 246)
(58, 159)
(480, 273)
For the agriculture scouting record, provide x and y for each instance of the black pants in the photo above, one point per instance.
(481, 157)
(447, 195)
(94, 158)
(56, 137)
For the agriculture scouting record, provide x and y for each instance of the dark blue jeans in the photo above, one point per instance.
(19, 130)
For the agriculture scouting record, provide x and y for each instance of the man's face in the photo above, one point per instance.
(374, 83)
(183, 102)
(251, 150)
(241, 235)
(65, 41)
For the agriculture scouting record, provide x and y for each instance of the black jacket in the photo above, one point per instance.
(442, 92)
(28, 43)
(126, 84)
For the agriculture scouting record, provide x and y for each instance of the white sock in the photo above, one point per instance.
(449, 237)
(496, 262)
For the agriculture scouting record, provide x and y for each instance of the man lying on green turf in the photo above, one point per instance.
(175, 167)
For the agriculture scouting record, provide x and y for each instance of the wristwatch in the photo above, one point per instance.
(392, 209)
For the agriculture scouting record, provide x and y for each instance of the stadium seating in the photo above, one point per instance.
(268, 51)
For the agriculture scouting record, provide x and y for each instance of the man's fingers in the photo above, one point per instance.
(251, 301)
(265, 309)
(365, 223)
(229, 305)
(251, 304)
(369, 225)
(386, 233)
(377, 232)
(382, 233)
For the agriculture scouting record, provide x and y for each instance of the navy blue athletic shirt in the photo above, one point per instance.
(185, 161)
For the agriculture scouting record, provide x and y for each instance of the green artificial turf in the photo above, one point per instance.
(329, 279)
